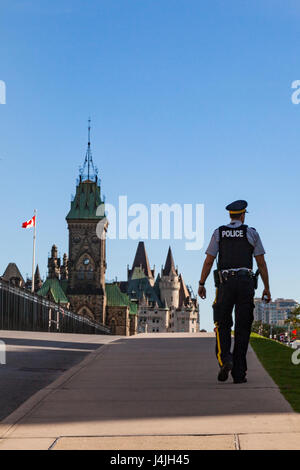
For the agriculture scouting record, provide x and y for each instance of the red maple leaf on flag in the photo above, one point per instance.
(30, 223)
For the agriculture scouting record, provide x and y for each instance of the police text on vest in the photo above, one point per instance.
(232, 233)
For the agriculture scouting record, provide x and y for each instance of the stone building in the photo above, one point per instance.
(143, 303)
(121, 312)
(78, 280)
(14, 277)
(87, 257)
(165, 304)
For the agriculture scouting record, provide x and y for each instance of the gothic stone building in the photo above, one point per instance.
(165, 304)
(87, 257)
(14, 277)
(78, 281)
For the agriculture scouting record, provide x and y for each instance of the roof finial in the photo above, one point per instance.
(88, 161)
(89, 132)
(89, 155)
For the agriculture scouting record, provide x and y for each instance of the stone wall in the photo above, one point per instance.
(117, 319)
(133, 324)
(93, 303)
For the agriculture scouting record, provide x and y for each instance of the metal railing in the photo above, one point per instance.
(21, 310)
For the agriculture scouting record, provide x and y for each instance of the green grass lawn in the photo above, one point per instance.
(276, 359)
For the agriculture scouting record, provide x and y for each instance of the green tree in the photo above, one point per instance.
(294, 320)
(264, 329)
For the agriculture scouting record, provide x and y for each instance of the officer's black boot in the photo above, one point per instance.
(240, 380)
(224, 371)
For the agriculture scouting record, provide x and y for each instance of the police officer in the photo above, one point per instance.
(235, 244)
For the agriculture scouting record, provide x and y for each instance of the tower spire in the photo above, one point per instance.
(88, 164)
(89, 153)
(169, 264)
(141, 261)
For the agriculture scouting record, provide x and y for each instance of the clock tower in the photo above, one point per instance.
(87, 257)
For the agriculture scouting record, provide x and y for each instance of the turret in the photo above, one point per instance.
(141, 265)
(64, 273)
(53, 264)
(169, 283)
(37, 279)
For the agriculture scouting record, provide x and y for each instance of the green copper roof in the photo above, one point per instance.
(86, 201)
(138, 273)
(139, 287)
(64, 285)
(116, 298)
(54, 287)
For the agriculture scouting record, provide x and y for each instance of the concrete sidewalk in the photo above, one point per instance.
(154, 391)
(35, 359)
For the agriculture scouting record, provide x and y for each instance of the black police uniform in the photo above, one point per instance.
(235, 289)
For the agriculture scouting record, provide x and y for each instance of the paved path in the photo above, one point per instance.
(35, 359)
(154, 392)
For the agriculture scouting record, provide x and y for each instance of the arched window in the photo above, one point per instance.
(85, 268)
(86, 312)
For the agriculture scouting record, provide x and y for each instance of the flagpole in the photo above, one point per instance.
(33, 254)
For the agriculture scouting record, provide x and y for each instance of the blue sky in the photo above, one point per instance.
(190, 103)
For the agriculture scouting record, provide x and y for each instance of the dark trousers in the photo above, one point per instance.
(238, 291)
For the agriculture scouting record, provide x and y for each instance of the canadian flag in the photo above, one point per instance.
(30, 223)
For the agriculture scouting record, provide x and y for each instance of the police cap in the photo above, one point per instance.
(237, 207)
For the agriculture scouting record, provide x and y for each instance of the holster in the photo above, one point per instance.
(255, 277)
(217, 278)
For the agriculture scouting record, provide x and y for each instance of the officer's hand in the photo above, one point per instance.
(266, 293)
(202, 292)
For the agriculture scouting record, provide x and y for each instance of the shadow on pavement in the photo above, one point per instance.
(32, 364)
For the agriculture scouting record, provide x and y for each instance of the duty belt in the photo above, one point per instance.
(236, 270)
(226, 273)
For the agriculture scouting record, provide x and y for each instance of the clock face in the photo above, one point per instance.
(86, 261)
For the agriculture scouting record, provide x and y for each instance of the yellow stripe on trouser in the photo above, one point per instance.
(218, 345)
(217, 335)
(215, 301)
